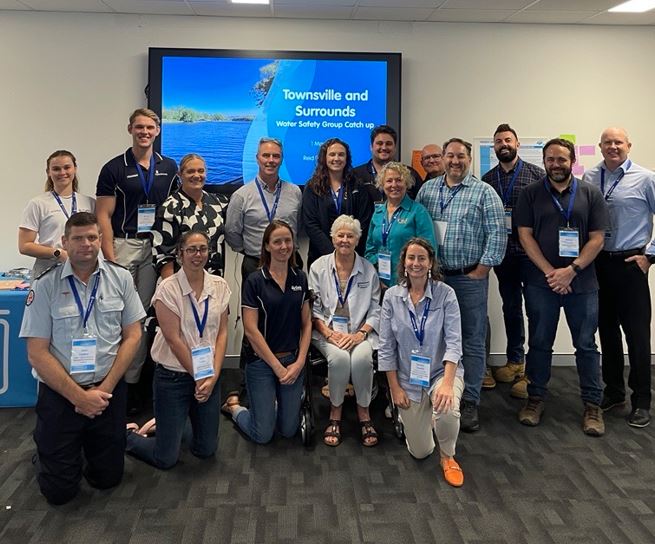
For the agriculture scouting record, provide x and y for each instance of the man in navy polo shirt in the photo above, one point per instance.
(130, 188)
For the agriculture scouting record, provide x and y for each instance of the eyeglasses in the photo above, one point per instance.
(203, 250)
(431, 157)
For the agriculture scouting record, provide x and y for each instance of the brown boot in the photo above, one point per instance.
(488, 381)
(592, 420)
(509, 372)
(530, 414)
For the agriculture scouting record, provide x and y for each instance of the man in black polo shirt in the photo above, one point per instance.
(130, 188)
(562, 223)
(432, 161)
(383, 150)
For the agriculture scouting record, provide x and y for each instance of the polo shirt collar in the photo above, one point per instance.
(129, 160)
(357, 267)
(267, 274)
(186, 288)
(623, 167)
(429, 293)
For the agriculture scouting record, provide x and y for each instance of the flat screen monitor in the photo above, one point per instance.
(219, 103)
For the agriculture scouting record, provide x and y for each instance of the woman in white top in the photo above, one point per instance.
(346, 314)
(189, 348)
(42, 226)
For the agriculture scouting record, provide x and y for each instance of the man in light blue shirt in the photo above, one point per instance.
(622, 268)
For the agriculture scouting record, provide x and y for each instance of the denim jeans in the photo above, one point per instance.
(581, 310)
(472, 299)
(273, 406)
(174, 404)
(510, 287)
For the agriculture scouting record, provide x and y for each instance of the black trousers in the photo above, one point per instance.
(62, 436)
(624, 303)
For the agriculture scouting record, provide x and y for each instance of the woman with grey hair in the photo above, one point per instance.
(345, 315)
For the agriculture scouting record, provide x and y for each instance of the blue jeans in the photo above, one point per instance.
(581, 310)
(472, 299)
(264, 390)
(510, 287)
(174, 403)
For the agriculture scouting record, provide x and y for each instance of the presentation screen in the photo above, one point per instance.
(219, 103)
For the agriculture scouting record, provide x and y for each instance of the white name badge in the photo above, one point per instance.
(203, 362)
(83, 355)
(508, 221)
(419, 371)
(569, 243)
(440, 231)
(340, 324)
(145, 218)
(384, 266)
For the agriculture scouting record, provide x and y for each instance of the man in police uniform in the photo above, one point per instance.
(622, 267)
(432, 161)
(82, 325)
(130, 188)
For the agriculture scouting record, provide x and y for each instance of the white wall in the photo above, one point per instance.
(70, 81)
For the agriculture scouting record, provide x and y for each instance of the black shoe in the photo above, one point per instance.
(608, 403)
(469, 422)
(639, 417)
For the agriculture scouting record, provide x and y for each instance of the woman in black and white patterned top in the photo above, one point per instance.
(190, 208)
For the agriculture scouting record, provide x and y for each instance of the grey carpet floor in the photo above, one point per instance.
(549, 484)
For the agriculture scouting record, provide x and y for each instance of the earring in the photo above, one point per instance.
(430, 274)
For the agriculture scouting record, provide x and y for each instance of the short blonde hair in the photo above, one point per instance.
(346, 222)
(399, 167)
(145, 112)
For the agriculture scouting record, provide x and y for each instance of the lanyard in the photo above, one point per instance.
(85, 315)
(616, 182)
(147, 186)
(566, 214)
(200, 324)
(342, 300)
(337, 198)
(507, 194)
(453, 192)
(270, 213)
(420, 333)
(61, 204)
(386, 227)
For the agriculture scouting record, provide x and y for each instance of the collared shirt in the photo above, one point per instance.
(279, 312)
(413, 220)
(537, 210)
(174, 293)
(443, 334)
(631, 205)
(476, 222)
(179, 214)
(247, 218)
(51, 312)
(363, 298)
(500, 180)
(119, 178)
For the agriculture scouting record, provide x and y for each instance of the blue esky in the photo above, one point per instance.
(211, 85)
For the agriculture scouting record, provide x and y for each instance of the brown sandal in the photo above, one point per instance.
(333, 430)
(369, 434)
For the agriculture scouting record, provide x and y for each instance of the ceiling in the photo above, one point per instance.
(588, 12)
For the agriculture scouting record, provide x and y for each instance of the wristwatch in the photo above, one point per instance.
(365, 333)
(575, 267)
(57, 253)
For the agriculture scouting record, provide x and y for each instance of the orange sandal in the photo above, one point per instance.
(452, 472)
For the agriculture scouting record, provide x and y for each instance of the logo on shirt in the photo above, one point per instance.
(296, 287)
(30, 297)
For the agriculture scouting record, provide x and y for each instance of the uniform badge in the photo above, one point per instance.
(30, 297)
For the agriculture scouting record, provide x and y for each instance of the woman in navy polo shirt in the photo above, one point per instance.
(277, 323)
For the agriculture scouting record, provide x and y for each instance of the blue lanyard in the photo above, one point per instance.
(386, 227)
(566, 214)
(78, 301)
(200, 324)
(456, 190)
(342, 300)
(420, 333)
(61, 204)
(147, 186)
(507, 194)
(619, 178)
(337, 198)
(270, 213)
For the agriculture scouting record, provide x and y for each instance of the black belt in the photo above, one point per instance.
(90, 385)
(460, 271)
(622, 254)
(132, 235)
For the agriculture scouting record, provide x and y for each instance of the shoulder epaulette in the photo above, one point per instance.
(115, 264)
(47, 270)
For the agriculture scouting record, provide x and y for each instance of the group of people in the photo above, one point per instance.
(397, 265)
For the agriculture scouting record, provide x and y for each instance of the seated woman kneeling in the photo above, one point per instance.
(346, 315)
(420, 349)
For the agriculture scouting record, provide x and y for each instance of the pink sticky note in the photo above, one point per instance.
(578, 169)
(587, 150)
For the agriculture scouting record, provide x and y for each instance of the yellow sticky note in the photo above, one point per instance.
(569, 137)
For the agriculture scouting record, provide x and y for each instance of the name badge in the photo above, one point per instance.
(203, 362)
(419, 370)
(83, 355)
(440, 231)
(384, 266)
(508, 220)
(145, 218)
(340, 324)
(569, 243)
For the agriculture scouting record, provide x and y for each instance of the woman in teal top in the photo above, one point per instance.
(395, 221)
